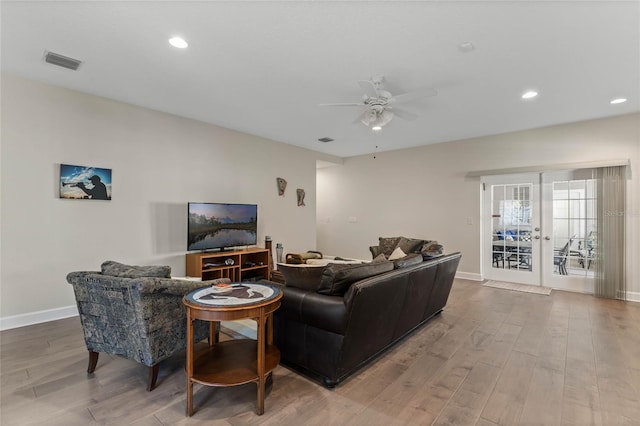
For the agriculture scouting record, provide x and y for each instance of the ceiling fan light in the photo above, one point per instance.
(376, 128)
(385, 117)
(379, 121)
(369, 118)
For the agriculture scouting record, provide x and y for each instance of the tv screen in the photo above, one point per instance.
(219, 225)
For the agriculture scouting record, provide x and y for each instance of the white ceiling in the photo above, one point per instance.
(263, 67)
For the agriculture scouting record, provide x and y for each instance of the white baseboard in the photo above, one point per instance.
(468, 276)
(32, 318)
(633, 296)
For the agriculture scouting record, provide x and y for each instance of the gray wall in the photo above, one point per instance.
(159, 163)
(424, 192)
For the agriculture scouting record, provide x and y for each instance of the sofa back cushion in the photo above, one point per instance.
(305, 277)
(336, 279)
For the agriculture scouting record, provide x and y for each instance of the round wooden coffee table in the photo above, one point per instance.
(237, 361)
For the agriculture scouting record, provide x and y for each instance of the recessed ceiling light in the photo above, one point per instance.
(178, 42)
(530, 94)
(618, 101)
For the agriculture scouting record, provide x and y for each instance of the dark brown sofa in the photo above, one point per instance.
(330, 336)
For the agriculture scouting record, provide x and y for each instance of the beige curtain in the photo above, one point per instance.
(609, 249)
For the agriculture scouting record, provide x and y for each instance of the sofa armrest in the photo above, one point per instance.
(175, 287)
(317, 310)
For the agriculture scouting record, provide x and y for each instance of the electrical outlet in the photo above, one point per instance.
(353, 219)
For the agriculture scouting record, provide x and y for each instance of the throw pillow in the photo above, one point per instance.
(388, 245)
(336, 279)
(116, 269)
(432, 249)
(427, 244)
(302, 277)
(380, 258)
(397, 254)
(410, 245)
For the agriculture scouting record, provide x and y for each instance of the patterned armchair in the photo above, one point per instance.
(141, 318)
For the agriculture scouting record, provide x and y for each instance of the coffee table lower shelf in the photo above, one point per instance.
(233, 362)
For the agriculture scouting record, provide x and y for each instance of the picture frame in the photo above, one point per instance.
(84, 182)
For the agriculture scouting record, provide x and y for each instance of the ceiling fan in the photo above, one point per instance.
(381, 105)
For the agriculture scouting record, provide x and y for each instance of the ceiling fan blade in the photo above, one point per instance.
(406, 97)
(344, 104)
(404, 114)
(369, 88)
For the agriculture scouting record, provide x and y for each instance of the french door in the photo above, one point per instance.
(539, 229)
(511, 228)
(569, 214)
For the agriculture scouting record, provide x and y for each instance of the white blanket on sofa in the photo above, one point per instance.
(330, 259)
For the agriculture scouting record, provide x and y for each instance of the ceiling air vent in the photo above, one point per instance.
(62, 61)
(325, 139)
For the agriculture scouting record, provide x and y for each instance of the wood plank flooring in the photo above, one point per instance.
(493, 357)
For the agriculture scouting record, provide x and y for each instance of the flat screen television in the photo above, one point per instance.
(220, 225)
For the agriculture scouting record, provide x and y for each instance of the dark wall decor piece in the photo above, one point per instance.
(301, 194)
(85, 183)
(282, 185)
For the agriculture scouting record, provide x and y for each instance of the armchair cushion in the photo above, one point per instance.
(116, 269)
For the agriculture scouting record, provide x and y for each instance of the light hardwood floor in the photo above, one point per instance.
(492, 357)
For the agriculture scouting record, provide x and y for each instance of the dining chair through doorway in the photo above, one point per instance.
(560, 258)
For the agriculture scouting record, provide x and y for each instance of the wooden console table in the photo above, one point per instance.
(237, 361)
(239, 265)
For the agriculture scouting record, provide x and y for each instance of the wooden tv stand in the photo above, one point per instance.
(251, 264)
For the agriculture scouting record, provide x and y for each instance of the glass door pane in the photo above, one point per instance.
(511, 226)
(573, 221)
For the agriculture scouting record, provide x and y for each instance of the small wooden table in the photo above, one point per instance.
(237, 361)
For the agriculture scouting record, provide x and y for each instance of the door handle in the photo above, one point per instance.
(547, 238)
(537, 237)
